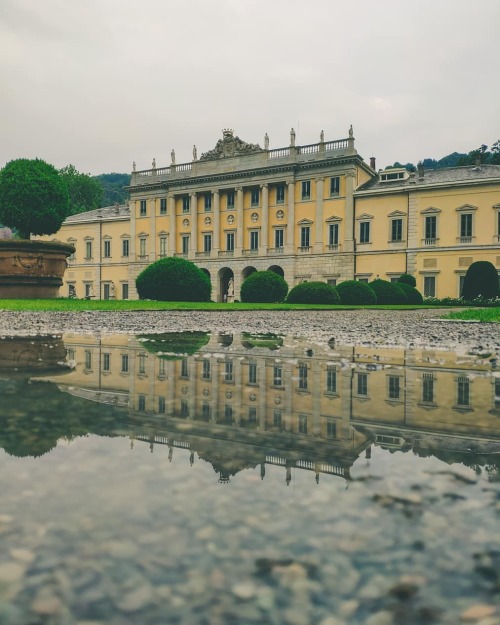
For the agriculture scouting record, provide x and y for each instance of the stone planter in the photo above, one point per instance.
(32, 269)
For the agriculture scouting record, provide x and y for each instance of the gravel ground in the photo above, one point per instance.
(354, 327)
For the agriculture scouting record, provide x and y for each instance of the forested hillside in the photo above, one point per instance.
(484, 154)
(113, 187)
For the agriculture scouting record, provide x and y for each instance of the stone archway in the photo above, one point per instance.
(226, 285)
(247, 272)
(277, 270)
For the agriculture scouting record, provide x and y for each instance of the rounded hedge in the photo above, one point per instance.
(264, 287)
(406, 278)
(388, 292)
(481, 280)
(33, 197)
(174, 279)
(412, 295)
(355, 292)
(313, 293)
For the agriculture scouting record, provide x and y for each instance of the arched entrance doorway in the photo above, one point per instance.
(278, 270)
(226, 285)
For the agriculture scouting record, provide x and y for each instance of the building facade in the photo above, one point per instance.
(310, 212)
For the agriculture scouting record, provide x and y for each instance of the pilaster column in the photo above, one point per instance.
(193, 204)
(239, 221)
(287, 420)
(349, 212)
(290, 242)
(316, 396)
(172, 226)
(318, 241)
(214, 390)
(262, 394)
(265, 219)
(171, 384)
(152, 231)
(216, 231)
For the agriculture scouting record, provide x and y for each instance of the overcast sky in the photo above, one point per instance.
(102, 83)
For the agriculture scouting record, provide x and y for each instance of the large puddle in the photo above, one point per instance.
(223, 479)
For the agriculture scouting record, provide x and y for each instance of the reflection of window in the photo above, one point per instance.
(331, 428)
(142, 363)
(161, 405)
(141, 403)
(331, 379)
(161, 367)
(252, 373)
(228, 372)
(277, 375)
(228, 413)
(277, 418)
(184, 408)
(206, 372)
(303, 376)
(88, 359)
(394, 388)
(205, 410)
(106, 362)
(302, 424)
(252, 415)
(184, 368)
(362, 384)
(463, 391)
(428, 387)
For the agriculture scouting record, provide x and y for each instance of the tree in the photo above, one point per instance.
(481, 280)
(114, 188)
(174, 279)
(85, 192)
(33, 197)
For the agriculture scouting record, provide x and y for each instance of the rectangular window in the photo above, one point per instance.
(303, 377)
(141, 403)
(331, 379)
(88, 359)
(430, 227)
(143, 208)
(331, 428)
(184, 368)
(280, 194)
(230, 200)
(335, 185)
(142, 364)
(254, 240)
(161, 405)
(394, 388)
(397, 230)
(106, 362)
(142, 247)
(302, 424)
(124, 290)
(332, 281)
(185, 243)
(230, 241)
(279, 237)
(362, 384)
(429, 286)
(364, 232)
(252, 415)
(254, 197)
(428, 388)
(252, 373)
(185, 204)
(163, 206)
(208, 202)
(88, 250)
(88, 290)
(70, 353)
(466, 225)
(463, 391)
(106, 290)
(207, 369)
(228, 371)
(161, 367)
(277, 375)
(228, 413)
(107, 248)
(207, 242)
(205, 411)
(125, 247)
(277, 418)
(305, 236)
(333, 234)
(124, 363)
(306, 189)
(163, 245)
(184, 408)
(461, 280)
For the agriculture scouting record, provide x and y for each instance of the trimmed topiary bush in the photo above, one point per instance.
(406, 278)
(313, 293)
(388, 292)
(264, 287)
(412, 295)
(355, 292)
(481, 280)
(174, 279)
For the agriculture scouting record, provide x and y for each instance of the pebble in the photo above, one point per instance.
(244, 591)
(11, 572)
(136, 600)
(478, 612)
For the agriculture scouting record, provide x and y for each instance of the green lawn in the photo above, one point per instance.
(476, 314)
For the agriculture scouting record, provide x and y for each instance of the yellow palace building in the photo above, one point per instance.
(308, 212)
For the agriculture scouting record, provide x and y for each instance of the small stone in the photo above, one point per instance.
(478, 612)
(244, 591)
(332, 620)
(11, 572)
(384, 617)
(46, 605)
(23, 555)
(136, 600)
(348, 608)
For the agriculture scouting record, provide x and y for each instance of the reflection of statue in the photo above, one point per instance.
(322, 136)
(351, 132)
(266, 141)
(153, 164)
(172, 157)
(292, 137)
(133, 166)
(195, 153)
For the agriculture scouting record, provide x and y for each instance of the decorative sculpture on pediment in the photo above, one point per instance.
(172, 157)
(266, 141)
(230, 145)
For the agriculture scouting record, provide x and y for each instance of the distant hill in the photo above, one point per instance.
(113, 186)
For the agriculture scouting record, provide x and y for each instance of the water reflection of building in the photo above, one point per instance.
(284, 401)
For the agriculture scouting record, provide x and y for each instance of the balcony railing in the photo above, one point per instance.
(333, 247)
(465, 239)
(275, 250)
(429, 242)
(305, 249)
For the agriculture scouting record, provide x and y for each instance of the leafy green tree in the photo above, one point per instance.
(33, 197)
(85, 192)
(114, 188)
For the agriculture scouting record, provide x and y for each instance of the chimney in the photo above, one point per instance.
(420, 169)
(372, 162)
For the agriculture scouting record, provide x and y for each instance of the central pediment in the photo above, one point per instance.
(229, 146)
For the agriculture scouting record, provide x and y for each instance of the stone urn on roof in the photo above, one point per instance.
(33, 201)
